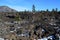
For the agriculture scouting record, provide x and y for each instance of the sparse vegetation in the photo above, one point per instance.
(35, 24)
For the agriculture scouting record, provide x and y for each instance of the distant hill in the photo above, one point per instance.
(6, 9)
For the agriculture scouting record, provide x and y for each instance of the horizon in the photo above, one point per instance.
(22, 5)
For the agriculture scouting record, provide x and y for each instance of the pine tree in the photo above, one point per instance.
(56, 9)
(33, 8)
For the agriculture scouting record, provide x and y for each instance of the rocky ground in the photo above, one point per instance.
(30, 26)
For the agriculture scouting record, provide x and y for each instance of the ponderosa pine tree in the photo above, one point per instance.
(33, 8)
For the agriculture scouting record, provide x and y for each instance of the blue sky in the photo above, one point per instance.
(21, 5)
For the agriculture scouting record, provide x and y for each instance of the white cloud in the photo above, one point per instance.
(18, 8)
